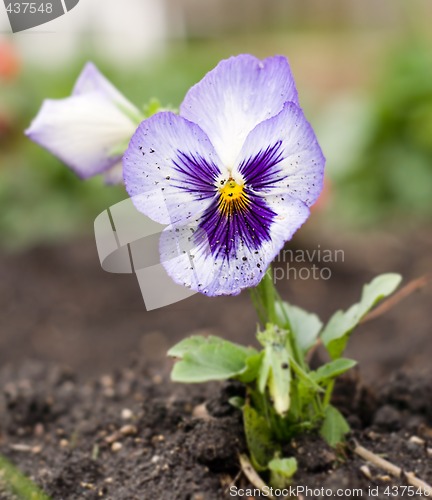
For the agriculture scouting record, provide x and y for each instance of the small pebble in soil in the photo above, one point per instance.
(128, 430)
(87, 486)
(158, 438)
(39, 430)
(364, 469)
(373, 436)
(107, 381)
(126, 414)
(112, 438)
(416, 440)
(200, 411)
(385, 478)
(116, 446)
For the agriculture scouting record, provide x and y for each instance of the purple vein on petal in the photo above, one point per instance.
(200, 173)
(228, 232)
(260, 170)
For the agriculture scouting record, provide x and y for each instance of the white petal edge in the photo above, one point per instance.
(92, 80)
(235, 96)
(82, 131)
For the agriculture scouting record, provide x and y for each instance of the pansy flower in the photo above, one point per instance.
(87, 129)
(233, 176)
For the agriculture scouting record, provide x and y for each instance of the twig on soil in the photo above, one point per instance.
(404, 292)
(252, 474)
(392, 469)
(233, 482)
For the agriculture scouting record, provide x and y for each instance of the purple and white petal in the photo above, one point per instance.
(282, 156)
(237, 95)
(194, 255)
(92, 80)
(171, 169)
(247, 226)
(82, 131)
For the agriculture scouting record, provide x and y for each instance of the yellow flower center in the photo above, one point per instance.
(232, 197)
(231, 191)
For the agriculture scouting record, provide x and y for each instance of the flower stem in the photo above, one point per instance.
(271, 311)
(328, 394)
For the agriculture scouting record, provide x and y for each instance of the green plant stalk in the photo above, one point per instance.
(265, 297)
(284, 396)
(328, 394)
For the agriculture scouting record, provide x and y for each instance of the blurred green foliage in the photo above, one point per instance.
(391, 177)
(388, 174)
(40, 199)
(20, 486)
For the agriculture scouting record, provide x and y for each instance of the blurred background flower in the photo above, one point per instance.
(9, 61)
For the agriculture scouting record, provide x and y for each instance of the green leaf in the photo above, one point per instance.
(281, 471)
(189, 344)
(258, 438)
(251, 371)
(305, 326)
(305, 378)
(334, 426)
(332, 369)
(237, 402)
(208, 358)
(275, 371)
(337, 331)
(154, 106)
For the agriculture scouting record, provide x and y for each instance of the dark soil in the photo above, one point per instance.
(58, 305)
(132, 435)
(83, 426)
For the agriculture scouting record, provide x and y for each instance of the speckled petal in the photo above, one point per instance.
(189, 258)
(282, 156)
(170, 169)
(237, 95)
